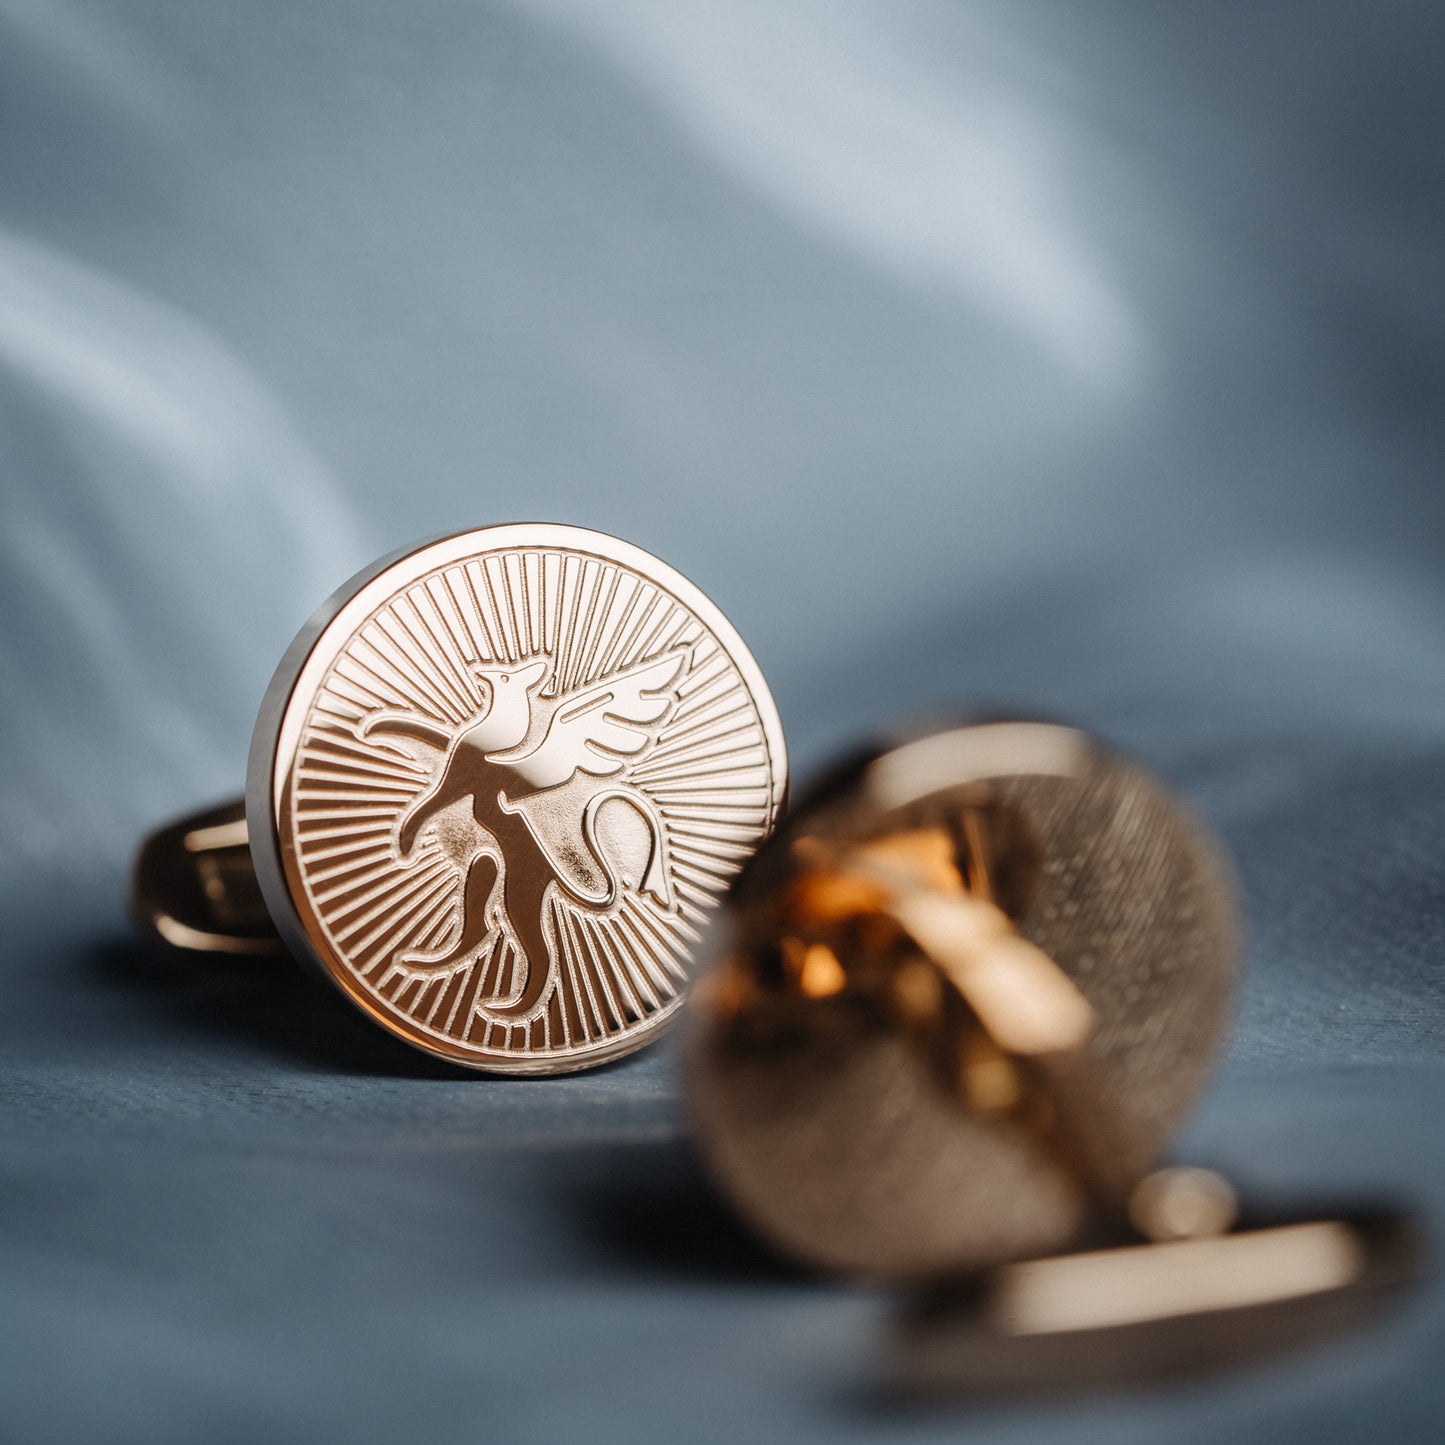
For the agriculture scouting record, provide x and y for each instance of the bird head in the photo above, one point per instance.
(507, 702)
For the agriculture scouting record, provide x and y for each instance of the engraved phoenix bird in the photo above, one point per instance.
(550, 796)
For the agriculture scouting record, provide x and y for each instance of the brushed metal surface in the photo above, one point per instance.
(837, 1112)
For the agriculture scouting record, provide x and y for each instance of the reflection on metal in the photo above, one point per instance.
(193, 887)
(1105, 1288)
(1182, 1203)
(1151, 1312)
(497, 787)
(961, 1002)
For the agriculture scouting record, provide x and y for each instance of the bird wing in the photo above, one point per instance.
(594, 729)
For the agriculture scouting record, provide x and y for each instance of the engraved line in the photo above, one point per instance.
(723, 859)
(694, 723)
(507, 651)
(443, 596)
(620, 626)
(613, 968)
(609, 620)
(316, 768)
(668, 921)
(602, 631)
(364, 696)
(568, 600)
(506, 617)
(714, 797)
(726, 717)
(589, 953)
(469, 1014)
(331, 713)
(663, 623)
(569, 969)
(443, 649)
(425, 935)
(357, 850)
(713, 880)
(551, 564)
(669, 925)
(705, 675)
(606, 579)
(433, 647)
(420, 657)
(335, 793)
(335, 769)
(376, 637)
(503, 987)
(395, 893)
(399, 924)
(655, 947)
(690, 761)
(514, 572)
(642, 956)
(742, 765)
(567, 977)
(628, 964)
(347, 887)
(423, 657)
(477, 965)
(403, 890)
(445, 624)
(600, 1000)
(675, 637)
(723, 814)
(379, 819)
(693, 902)
(493, 648)
(610, 1017)
(347, 691)
(352, 668)
(356, 873)
(441, 984)
(588, 585)
(342, 750)
(381, 825)
(632, 649)
(464, 605)
(367, 655)
(531, 589)
(732, 838)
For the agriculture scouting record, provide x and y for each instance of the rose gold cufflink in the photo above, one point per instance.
(497, 788)
(962, 1000)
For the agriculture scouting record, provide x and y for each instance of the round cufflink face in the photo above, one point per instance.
(498, 785)
(966, 991)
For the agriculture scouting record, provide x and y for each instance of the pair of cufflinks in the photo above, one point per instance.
(513, 790)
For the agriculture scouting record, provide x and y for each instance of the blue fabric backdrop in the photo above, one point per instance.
(1085, 359)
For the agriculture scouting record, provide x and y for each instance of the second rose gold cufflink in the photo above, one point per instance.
(962, 1000)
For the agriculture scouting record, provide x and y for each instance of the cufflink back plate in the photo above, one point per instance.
(967, 990)
(497, 786)
(963, 999)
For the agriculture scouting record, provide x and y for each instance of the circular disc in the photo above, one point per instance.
(497, 786)
(820, 1099)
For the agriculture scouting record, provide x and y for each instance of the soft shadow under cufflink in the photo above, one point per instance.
(961, 1002)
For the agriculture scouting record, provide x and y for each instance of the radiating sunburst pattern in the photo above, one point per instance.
(705, 773)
